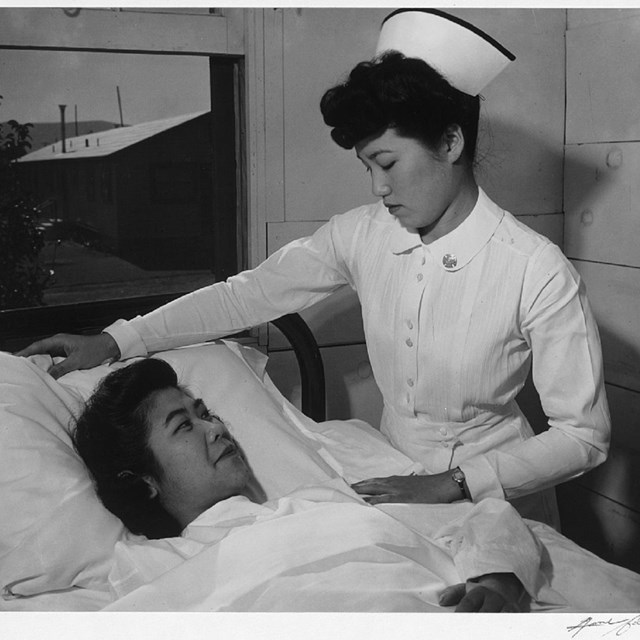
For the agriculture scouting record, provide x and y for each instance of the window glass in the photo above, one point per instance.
(114, 169)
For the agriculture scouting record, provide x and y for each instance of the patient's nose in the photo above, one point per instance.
(214, 430)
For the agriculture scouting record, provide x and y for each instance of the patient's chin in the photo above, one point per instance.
(256, 492)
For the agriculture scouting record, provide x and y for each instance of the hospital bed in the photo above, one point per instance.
(309, 549)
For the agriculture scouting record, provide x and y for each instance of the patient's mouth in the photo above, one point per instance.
(230, 449)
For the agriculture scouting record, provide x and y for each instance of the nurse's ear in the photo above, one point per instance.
(453, 143)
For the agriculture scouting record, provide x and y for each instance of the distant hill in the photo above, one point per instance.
(46, 133)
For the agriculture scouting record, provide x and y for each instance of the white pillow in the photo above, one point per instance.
(54, 532)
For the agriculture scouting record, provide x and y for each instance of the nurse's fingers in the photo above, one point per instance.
(380, 499)
(372, 485)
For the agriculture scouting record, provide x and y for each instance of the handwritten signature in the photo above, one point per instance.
(617, 627)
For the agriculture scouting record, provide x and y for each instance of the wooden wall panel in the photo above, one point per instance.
(602, 201)
(577, 18)
(614, 294)
(601, 510)
(604, 526)
(320, 46)
(603, 66)
(351, 389)
(624, 405)
(520, 147)
(551, 226)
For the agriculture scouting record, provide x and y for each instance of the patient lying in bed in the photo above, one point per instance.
(160, 459)
(286, 533)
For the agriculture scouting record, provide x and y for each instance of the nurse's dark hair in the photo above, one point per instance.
(111, 436)
(405, 93)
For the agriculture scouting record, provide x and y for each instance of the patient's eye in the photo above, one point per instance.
(208, 415)
(203, 412)
(185, 425)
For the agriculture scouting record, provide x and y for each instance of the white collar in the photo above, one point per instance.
(458, 247)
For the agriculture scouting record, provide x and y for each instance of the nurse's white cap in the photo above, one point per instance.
(466, 56)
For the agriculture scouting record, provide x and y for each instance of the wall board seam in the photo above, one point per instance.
(584, 487)
(619, 386)
(608, 264)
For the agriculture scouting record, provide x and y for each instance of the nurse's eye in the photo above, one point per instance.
(386, 167)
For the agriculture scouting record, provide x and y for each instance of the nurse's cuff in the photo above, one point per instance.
(481, 479)
(127, 338)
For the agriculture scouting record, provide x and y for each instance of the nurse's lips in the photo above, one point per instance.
(392, 208)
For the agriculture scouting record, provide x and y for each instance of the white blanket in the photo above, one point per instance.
(322, 549)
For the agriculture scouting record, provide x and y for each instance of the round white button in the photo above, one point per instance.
(409, 342)
(410, 382)
(419, 277)
(443, 431)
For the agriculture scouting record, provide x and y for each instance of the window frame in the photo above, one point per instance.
(218, 36)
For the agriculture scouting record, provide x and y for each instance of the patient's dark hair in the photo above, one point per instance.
(404, 93)
(111, 436)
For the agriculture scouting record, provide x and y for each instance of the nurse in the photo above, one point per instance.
(459, 299)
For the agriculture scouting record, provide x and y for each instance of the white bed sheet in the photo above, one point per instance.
(323, 555)
(316, 552)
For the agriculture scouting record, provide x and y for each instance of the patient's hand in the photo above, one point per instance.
(82, 352)
(491, 593)
(430, 489)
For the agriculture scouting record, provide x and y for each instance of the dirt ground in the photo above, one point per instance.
(83, 273)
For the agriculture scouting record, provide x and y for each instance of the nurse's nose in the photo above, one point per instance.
(379, 186)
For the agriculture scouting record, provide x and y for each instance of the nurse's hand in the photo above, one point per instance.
(80, 352)
(491, 593)
(431, 489)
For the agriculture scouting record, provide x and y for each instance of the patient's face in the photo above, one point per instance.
(201, 463)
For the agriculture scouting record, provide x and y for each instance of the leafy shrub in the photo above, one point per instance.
(23, 278)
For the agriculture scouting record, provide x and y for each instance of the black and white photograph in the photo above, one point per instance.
(309, 312)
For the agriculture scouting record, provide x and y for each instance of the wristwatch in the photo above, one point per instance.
(457, 475)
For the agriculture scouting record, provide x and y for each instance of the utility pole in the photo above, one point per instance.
(120, 106)
(62, 128)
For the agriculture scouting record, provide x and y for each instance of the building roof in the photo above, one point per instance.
(104, 143)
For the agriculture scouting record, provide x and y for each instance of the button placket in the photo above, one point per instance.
(410, 312)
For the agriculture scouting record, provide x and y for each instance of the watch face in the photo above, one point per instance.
(458, 475)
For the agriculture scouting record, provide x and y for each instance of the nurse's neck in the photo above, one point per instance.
(461, 205)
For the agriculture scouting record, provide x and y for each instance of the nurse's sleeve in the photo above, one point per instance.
(558, 324)
(298, 275)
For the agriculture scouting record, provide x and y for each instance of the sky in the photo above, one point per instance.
(33, 83)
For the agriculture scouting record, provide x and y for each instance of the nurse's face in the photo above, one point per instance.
(416, 184)
(200, 462)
